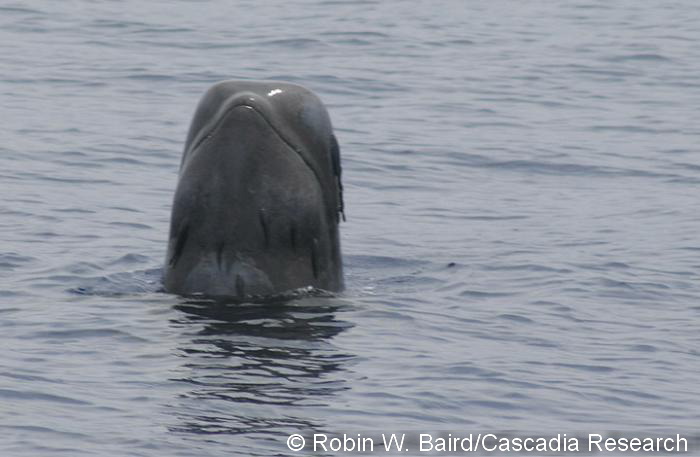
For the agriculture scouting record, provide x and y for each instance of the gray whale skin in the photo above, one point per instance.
(259, 195)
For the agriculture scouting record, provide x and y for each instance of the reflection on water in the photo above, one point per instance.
(244, 361)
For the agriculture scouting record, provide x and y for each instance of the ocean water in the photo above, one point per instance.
(522, 249)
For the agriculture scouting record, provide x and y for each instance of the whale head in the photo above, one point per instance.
(259, 195)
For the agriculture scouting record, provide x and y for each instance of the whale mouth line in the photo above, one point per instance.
(215, 128)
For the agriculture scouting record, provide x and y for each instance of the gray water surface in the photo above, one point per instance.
(521, 251)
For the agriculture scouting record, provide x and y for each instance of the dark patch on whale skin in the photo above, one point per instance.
(338, 171)
(220, 254)
(180, 245)
(240, 286)
(314, 257)
(265, 226)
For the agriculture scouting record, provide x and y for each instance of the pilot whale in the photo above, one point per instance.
(259, 195)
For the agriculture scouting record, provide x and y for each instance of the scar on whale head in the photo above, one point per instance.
(259, 195)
